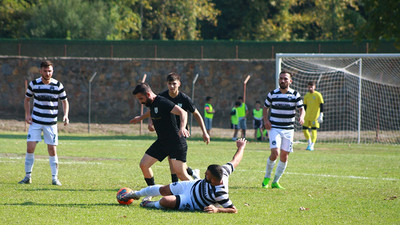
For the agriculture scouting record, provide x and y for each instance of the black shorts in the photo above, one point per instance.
(176, 149)
(257, 124)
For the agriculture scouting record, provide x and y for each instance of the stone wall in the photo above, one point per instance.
(112, 99)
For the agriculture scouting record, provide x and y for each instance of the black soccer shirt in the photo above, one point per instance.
(163, 120)
(183, 101)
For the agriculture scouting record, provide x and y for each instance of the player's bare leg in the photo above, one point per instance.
(180, 170)
(168, 201)
(30, 146)
(145, 165)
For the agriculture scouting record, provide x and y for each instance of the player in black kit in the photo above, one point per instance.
(186, 103)
(170, 138)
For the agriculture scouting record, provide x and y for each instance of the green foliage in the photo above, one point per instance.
(382, 21)
(286, 20)
(72, 19)
(177, 19)
(337, 183)
(13, 14)
(260, 20)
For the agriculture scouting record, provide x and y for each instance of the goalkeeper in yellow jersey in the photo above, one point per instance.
(314, 105)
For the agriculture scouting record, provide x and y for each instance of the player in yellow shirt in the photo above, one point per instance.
(314, 105)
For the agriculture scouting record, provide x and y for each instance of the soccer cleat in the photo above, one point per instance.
(265, 182)
(56, 182)
(26, 180)
(147, 204)
(312, 147)
(308, 148)
(147, 198)
(130, 195)
(196, 174)
(276, 185)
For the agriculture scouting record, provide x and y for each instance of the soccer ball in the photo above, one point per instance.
(122, 192)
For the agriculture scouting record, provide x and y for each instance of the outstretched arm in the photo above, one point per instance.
(213, 209)
(200, 121)
(241, 144)
(139, 118)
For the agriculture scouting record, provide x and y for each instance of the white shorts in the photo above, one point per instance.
(281, 138)
(182, 190)
(50, 134)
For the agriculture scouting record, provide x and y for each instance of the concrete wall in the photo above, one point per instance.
(112, 99)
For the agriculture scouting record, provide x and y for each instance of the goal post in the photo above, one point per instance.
(361, 94)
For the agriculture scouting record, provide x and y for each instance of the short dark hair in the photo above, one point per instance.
(237, 103)
(258, 102)
(208, 98)
(45, 64)
(216, 171)
(173, 77)
(284, 71)
(311, 83)
(141, 88)
(240, 98)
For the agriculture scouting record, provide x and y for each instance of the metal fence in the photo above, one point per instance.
(181, 49)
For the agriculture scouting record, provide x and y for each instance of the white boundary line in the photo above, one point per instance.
(329, 175)
(14, 159)
(290, 173)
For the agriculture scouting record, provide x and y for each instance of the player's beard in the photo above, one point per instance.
(282, 85)
(45, 78)
(147, 103)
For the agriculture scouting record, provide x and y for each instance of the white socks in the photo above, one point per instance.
(270, 166)
(279, 170)
(53, 160)
(29, 160)
(153, 190)
(153, 204)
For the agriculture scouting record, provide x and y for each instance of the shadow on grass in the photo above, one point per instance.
(66, 189)
(90, 205)
(62, 205)
(107, 137)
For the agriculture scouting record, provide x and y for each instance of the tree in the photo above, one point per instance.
(382, 21)
(238, 20)
(177, 19)
(70, 19)
(128, 19)
(13, 14)
(285, 20)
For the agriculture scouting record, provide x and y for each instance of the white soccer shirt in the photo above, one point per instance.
(283, 108)
(204, 194)
(45, 100)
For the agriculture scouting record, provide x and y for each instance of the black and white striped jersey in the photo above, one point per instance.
(45, 100)
(283, 108)
(204, 194)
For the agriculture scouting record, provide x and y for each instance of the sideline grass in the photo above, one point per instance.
(336, 184)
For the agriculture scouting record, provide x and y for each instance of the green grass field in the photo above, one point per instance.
(336, 184)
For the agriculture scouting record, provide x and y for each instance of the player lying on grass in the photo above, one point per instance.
(209, 194)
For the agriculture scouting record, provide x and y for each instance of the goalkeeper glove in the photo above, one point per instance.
(320, 118)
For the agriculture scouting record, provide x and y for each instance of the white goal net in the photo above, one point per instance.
(361, 94)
